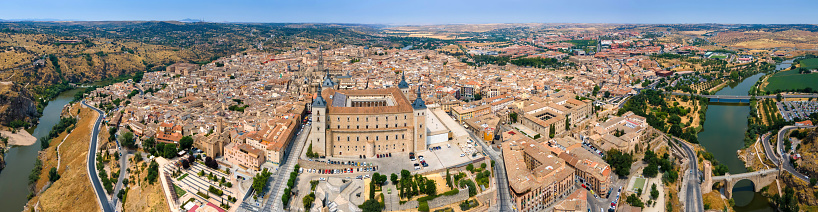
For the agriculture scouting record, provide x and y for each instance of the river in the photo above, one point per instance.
(723, 135)
(20, 159)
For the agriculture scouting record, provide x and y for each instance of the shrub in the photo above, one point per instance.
(53, 175)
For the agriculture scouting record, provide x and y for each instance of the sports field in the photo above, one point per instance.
(639, 183)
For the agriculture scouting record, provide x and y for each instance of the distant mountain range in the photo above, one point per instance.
(190, 20)
(36, 19)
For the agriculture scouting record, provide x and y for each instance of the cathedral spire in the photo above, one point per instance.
(419, 103)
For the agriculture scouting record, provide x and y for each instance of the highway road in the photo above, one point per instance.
(92, 171)
(785, 159)
(692, 181)
(504, 197)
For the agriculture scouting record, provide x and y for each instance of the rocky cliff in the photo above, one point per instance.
(16, 104)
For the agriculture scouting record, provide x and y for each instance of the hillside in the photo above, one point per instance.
(16, 104)
(73, 191)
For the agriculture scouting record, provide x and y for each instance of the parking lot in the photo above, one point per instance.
(791, 110)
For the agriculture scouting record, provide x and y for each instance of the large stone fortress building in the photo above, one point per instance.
(367, 122)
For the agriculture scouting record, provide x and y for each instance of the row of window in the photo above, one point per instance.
(367, 126)
(367, 118)
(384, 147)
(377, 138)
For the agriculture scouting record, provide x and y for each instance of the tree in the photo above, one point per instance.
(567, 124)
(153, 172)
(149, 144)
(431, 188)
(513, 117)
(394, 178)
(633, 200)
(209, 162)
(371, 205)
(551, 130)
(787, 203)
(186, 142)
(651, 170)
(169, 151)
(654, 193)
(778, 97)
(596, 90)
(448, 179)
(185, 164)
(128, 140)
(310, 154)
(260, 180)
(607, 94)
(53, 175)
(307, 200)
(381, 180)
(471, 186)
(620, 162)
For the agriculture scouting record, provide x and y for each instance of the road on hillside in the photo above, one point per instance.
(785, 159)
(92, 171)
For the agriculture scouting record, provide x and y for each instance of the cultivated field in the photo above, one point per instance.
(791, 79)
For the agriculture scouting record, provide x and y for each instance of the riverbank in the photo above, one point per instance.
(20, 138)
(72, 191)
(722, 136)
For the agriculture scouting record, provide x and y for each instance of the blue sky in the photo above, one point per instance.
(422, 11)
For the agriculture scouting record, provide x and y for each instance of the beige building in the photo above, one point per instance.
(367, 122)
(621, 133)
(244, 155)
(536, 177)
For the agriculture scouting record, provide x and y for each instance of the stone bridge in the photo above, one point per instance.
(759, 178)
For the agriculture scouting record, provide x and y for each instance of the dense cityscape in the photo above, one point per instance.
(207, 116)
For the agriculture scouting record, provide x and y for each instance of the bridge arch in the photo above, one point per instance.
(736, 187)
(758, 178)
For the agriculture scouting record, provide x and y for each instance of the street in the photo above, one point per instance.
(278, 181)
(92, 171)
(504, 197)
(691, 180)
(785, 159)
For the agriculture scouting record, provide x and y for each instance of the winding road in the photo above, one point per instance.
(784, 158)
(92, 171)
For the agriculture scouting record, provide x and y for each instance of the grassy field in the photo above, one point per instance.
(792, 80)
(809, 63)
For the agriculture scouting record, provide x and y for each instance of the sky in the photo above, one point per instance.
(419, 12)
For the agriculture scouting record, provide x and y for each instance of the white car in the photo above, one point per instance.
(462, 155)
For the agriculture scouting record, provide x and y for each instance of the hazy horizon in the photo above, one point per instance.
(422, 12)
